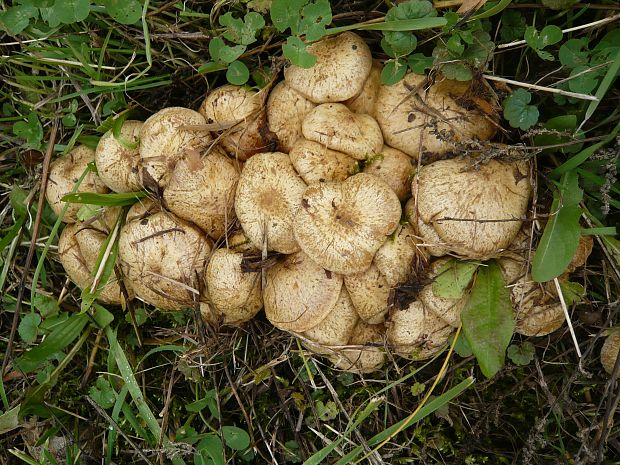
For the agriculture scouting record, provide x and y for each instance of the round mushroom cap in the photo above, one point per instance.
(316, 163)
(286, 109)
(336, 328)
(342, 225)
(164, 139)
(235, 294)
(268, 195)
(338, 128)
(395, 168)
(419, 119)
(537, 308)
(118, 161)
(431, 243)
(163, 258)
(142, 208)
(609, 351)
(342, 66)
(398, 255)
(476, 212)
(202, 190)
(78, 249)
(370, 294)
(367, 357)
(299, 293)
(365, 101)
(65, 172)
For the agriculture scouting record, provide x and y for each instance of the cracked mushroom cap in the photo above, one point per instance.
(268, 195)
(118, 161)
(367, 356)
(338, 128)
(365, 101)
(163, 259)
(286, 109)
(609, 351)
(202, 190)
(399, 255)
(395, 168)
(299, 293)
(475, 212)
(370, 294)
(342, 225)
(430, 241)
(316, 163)
(64, 175)
(164, 139)
(419, 119)
(341, 69)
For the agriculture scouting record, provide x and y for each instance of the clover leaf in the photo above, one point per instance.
(518, 112)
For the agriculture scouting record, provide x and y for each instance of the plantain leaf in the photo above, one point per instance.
(453, 278)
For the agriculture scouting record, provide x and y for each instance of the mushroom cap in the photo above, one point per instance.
(336, 328)
(65, 173)
(395, 168)
(365, 358)
(537, 309)
(338, 128)
(141, 209)
(163, 258)
(584, 249)
(299, 293)
(609, 351)
(395, 258)
(202, 190)
(365, 101)
(118, 166)
(235, 294)
(286, 109)
(78, 249)
(316, 163)
(342, 66)
(164, 138)
(431, 243)
(370, 294)
(419, 119)
(342, 225)
(485, 205)
(239, 242)
(268, 195)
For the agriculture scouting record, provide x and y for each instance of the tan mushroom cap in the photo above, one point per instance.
(370, 294)
(64, 175)
(299, 293)
(538, 311)
(163, 258)
(235, 294)
(338, 128)
(397, 257)
(164, 139)
(202, 190)
(286, 109)
(367, 357)
(365, 101)
(141, 209)
(430, 241)
(118, 165)
(395, 168)
(584, 249)
(342, 66)
(316, 163)
(342, 225)
(609, 352)
(485, 206)
(336, 328)
(411, 115)
(78, 249)
(268, 195)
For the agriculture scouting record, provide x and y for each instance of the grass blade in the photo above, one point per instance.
(606, 83)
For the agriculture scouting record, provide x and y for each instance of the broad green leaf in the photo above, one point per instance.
(573, 53)
(242, 32)
(28, 328)
(461, 347)
(455, 45)
(419, 63)
(513, 25)
(582, 81)
(397, 44)
(46, 305)
(70, 11)
(393, 71)
(401, 25)
(102, 316)
(412, 9)
(295, 51)
(219, 51)
(17, 18)
(316, 16)
(560, 238)
(103, 393)
(9, 420)
(116, 199)
(572, 292)
(521, 354)
(211, 67)
(237, 73)
(124, 11)
(550, 35)
(457, 71)
(517, 110)
(453, 277)
(287, 14)
(209, 451)
(236, 438)
(31, 130)
(487, 319)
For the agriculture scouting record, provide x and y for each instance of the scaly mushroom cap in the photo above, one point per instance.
(235, 294)
(164, 139)
(431, 243)
(609, 352)
(397, 257)
(316, 163)
(240, 113)
(336, 328)
(202, 190)
(163, 258)
(342, 225)
(418, 119)
(342, 66)
(365, 101)
(286, 109)
(476, 212)
(367, 357)
(338, 128)
(395, 168)
(118, 165)
(78, 249)
(268, 195)
(370, 294)
(537, 309)
(299, 293)
(141, 209)
(65, 173)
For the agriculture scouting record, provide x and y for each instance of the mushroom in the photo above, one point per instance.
(202, 190)
(118, 164)
(164, 139)
(365, 101)
(65, 172)
(609, 351)
(141, 209)
(299, 293)
(268, 195)
(336, 127)
(475, 212)
(370, 294)
(342, 225)
(286, 109)
(316, 163)
(430, 240)
(367, 357)
(395, 168)
(343, 63)
(537, 308)
(398, 256)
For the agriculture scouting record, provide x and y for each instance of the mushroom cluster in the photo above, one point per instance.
(331, 201)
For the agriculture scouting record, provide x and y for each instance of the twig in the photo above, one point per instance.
(567, 316)
(541, 88)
